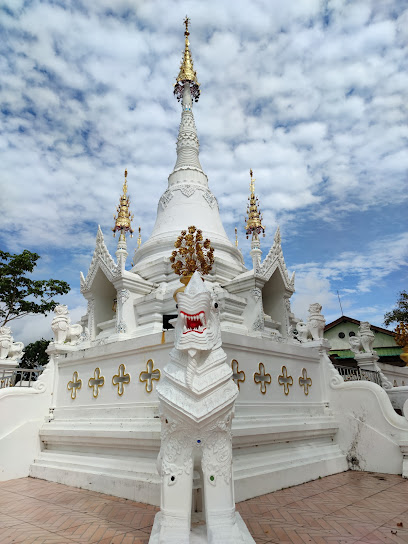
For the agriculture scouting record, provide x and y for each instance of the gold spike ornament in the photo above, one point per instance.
(254, 220)
(187, 74)
(124, 217)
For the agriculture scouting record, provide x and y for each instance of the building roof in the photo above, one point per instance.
(382, 352)
(346, 319)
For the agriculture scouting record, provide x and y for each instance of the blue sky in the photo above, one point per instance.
(312, 95)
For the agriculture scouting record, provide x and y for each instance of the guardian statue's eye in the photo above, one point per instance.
(216, 305)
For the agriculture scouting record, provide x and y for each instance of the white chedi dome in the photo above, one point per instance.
(187, 201)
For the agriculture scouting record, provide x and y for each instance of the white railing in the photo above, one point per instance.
(18, 377)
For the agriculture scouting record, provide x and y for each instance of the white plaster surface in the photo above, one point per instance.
(198, 535)
(22, 413)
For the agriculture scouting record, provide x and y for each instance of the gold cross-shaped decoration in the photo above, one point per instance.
(149, 375)
(74, 385)
(237, 375)
(305, 382)
(262, 378)
(121, 379)
(96, 382)
(285, 380)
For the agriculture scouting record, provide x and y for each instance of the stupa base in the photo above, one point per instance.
(198, 534)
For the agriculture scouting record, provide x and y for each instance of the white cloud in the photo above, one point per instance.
(364, 269)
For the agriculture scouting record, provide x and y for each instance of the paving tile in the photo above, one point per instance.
(377, 503)
(25, 533)
(399, 522)
(7, 521)
(101, 532)
(127, 538)
(386, 535)
(360, 513)
(346, 508)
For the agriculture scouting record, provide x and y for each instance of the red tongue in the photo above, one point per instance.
(192, 324)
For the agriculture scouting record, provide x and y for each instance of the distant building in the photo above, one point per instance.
(338, 333)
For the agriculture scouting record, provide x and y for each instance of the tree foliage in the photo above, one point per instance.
(400, 313)
(21, 295)
(35, 354)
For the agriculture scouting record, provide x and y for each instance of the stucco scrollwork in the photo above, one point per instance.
(256, 293)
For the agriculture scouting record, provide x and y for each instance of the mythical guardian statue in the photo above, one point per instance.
(62, 328)
(197, 398)
(364, 340)
(10, 350)
(314, 328)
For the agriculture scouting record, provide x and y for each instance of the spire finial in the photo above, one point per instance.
(236, 236)
(186, 22)
(254, 221)
(187, 74)
(124, 217)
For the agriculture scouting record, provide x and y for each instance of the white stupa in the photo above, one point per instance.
(254, 302)
(187, 199)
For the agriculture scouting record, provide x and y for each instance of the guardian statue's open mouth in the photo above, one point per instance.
(193, 322)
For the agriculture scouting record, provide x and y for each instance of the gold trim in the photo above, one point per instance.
(306, 379)
(237, 372)
(124, 381)
(260, 381)
(74, 388)
(284, 380)
(97, 385)
(150, 375)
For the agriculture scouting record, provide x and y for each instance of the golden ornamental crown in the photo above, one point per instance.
(192, 253)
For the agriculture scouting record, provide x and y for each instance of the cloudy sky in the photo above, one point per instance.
(310, 94)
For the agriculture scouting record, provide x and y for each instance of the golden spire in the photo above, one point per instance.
(124, 217)
(254, 221)
(187, 72)
(236, 236)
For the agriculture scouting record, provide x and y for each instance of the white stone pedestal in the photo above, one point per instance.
(367, 361)
(198, 535)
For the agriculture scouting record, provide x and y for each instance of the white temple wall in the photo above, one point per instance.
(110, 443)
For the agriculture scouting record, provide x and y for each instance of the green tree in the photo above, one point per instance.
(21, 295)
(34, 357)
(400, 313)
(35, 354)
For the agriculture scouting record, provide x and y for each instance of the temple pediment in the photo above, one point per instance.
(275, 261)
(101, 259)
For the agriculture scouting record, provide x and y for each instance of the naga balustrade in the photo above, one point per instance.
(354, 374)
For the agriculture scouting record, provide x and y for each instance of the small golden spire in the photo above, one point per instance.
(124, 217)
(254, 220)
(139, 238)
(187, 72)
(236, 236)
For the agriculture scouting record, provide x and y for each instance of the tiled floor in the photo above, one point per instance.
(352, 507)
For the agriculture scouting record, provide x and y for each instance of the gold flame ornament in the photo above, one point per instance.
(254, 219)
(124, 217)
(187, 74)
(401, 338)
(192, 253)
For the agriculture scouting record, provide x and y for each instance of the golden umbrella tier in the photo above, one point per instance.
(123, 218)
